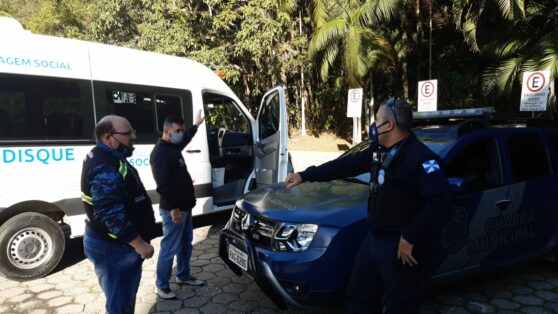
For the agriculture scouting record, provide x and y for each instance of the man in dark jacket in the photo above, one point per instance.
(408, 203)
(175, 187)
(120, 221)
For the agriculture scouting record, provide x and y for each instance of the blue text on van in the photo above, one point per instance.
(42, 155)
(37, 63)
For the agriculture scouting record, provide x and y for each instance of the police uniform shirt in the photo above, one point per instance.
(413, 198)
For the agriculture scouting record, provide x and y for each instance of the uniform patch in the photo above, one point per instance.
(139, 198)
(381, 176)
(431, 166)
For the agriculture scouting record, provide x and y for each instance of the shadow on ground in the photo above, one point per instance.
(73, 254)
(223, 291)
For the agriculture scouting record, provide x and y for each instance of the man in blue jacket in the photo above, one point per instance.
(175, 187)
(120, 221)
(408, 203)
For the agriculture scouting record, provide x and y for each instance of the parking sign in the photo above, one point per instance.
(354, 103)
(428, 95)
(534, 91)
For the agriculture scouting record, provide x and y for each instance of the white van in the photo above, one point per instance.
(52, 93)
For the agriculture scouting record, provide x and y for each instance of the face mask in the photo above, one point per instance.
(176, 137)
(124, 149)
(374, 131)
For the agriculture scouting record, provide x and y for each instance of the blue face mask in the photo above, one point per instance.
(176, 137)
(373, 131)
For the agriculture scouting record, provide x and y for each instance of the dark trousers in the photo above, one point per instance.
(377, 273)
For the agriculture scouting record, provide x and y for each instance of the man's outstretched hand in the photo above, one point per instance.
(199, 118)
(293, 179)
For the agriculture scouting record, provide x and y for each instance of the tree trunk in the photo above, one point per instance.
(404, 67)
(302, 93)
(405, 78)
(552, 102)
(419, 39)
(371, 104)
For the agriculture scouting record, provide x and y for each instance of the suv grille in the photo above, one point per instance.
(259, 230)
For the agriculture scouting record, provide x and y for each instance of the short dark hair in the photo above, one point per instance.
(401, 112)
(102, 128)
(172, 119)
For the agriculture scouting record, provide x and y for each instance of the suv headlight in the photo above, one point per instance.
(293, 237)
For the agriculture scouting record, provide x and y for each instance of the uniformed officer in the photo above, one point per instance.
(408, 203)
(120, 220)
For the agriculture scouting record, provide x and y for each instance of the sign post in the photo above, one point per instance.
(534, 91)
(354, 110)
(428, 95)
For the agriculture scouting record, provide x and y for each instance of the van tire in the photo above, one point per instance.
(31, 246)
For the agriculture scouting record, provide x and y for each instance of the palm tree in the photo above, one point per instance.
(533, 46)
(469, 13)
(345, 32)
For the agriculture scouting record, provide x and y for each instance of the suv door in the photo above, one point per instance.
(467, 238)
(271, 160)
(532, 183)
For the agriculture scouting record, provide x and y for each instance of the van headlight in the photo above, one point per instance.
(293, 237)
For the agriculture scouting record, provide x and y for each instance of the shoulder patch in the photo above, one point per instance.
(430, 166)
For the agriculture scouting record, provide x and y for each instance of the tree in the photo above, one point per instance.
(531, 44)
(468, 15)
(342, 33)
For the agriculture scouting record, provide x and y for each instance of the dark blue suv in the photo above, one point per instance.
(299, 244)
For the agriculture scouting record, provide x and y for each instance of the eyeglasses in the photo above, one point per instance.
(391, 103)
(130, 132)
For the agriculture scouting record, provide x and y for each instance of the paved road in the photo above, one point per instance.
(73, 288)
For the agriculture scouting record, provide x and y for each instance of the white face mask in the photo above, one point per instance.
(176, 137)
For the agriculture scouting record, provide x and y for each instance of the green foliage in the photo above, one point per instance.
(531, 44)
(318, 49)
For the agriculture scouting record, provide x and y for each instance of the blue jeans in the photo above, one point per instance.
(118, 268)
(177, 241)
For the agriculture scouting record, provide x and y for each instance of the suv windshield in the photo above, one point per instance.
(437, 145)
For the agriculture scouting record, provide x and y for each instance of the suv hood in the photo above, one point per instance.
(337, 202)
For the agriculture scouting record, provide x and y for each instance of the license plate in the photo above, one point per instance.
(238, 257)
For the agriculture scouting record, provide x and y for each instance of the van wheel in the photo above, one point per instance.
(31, 246)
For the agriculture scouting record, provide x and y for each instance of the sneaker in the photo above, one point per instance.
(190, 282)
(165, 293)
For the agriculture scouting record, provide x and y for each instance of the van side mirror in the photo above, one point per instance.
(459, 185)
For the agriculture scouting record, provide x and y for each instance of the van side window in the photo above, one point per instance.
(269, 118)
(40, 108)
(477, 162)
(144, 106)
(222, 112)
(136, 106)
(167, 105)
(529, 158)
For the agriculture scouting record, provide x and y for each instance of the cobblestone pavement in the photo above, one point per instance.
(73, 288)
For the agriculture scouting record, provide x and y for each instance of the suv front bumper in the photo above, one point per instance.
(268, 268)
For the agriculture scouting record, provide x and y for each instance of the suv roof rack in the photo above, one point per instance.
(463, 121)
(485, 112)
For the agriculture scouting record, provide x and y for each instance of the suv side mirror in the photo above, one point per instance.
(459, 185)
